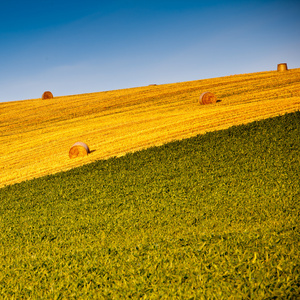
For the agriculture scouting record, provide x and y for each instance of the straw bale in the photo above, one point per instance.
(207, 98)
(47, 95)
(79, 149)
(282, 67)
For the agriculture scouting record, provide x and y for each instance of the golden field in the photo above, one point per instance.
(36, 134)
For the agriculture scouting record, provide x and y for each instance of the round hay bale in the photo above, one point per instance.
(47, 95)
(79, 149)
(207, 98)
(282, 67)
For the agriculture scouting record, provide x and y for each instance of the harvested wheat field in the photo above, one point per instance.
(36, 135)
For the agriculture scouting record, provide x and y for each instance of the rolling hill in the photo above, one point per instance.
(37, 134)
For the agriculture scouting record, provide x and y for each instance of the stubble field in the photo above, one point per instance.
(37, 134)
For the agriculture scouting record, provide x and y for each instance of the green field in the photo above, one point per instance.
(216, 216)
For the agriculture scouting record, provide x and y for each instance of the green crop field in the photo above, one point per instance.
(216, 216)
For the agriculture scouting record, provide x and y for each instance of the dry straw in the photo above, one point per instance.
(282, 67)
(47, 95)
(207, 98)
(79, 149)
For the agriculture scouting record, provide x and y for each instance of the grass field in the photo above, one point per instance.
(215, 216)
(36, 134)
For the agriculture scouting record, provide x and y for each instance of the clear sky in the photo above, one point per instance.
(73, 47)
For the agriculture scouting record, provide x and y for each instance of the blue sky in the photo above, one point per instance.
(74, 47)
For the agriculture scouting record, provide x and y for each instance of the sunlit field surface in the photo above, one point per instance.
(36, 134)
